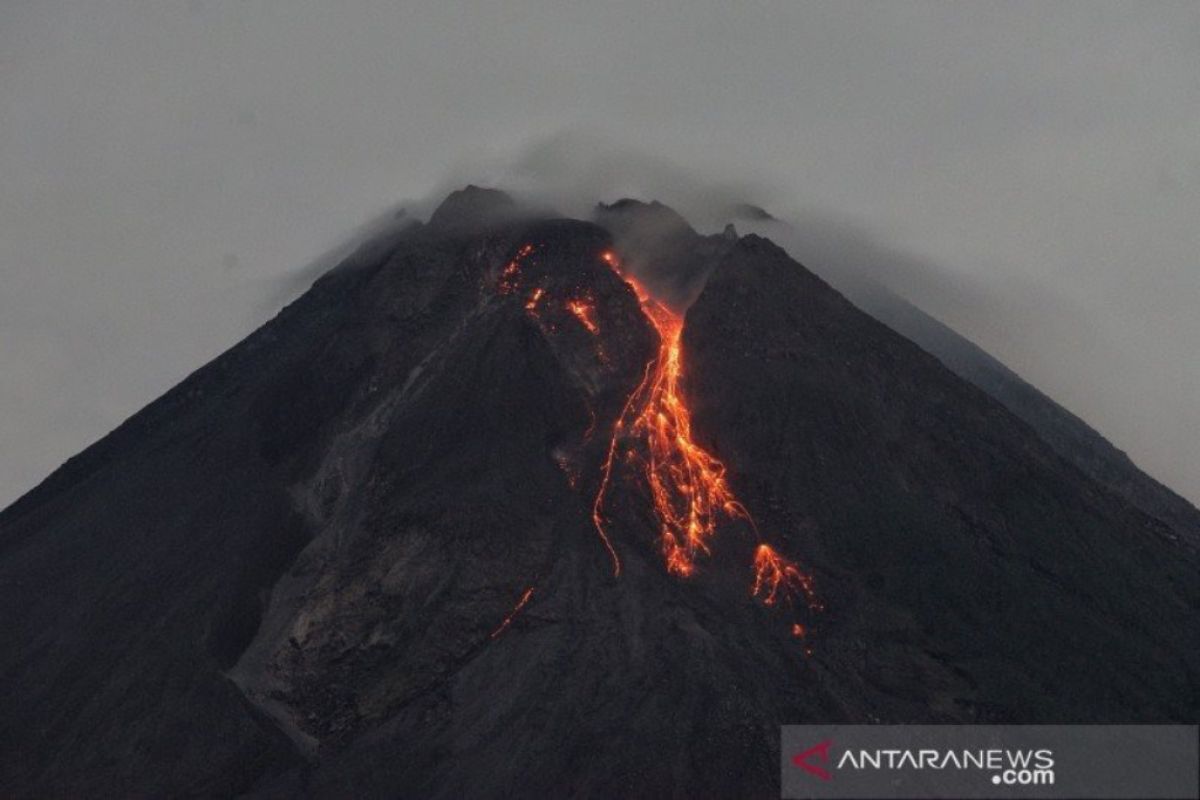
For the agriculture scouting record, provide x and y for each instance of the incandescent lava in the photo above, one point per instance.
(687, 483)
(652, 437)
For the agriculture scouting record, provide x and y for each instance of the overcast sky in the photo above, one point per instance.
(166, 166)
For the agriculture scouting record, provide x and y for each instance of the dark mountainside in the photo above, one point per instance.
(1070, 436)
(355, 555)
(859, 263)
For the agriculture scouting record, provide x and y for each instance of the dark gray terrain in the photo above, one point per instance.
(1070, 436)
(298, 573)
(851, 261)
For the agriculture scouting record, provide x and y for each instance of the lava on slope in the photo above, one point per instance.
(584, 311)
(521, 603)
(511, 275)
(687, 484)
(776, 576)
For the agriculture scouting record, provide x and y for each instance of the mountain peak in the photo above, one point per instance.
(750, 212)
(652, 220)
(472, 207)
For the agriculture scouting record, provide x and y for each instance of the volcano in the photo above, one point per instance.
(511, 505)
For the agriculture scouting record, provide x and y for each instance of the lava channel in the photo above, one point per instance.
(513, 614)
(687, 484)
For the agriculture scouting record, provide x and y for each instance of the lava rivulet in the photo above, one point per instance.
(513, 614)
(584, 312)
(510, 276)
(687, 484)
(776, 576)
(653, 436)
(607, 468)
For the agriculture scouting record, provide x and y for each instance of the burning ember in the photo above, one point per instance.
(584, 311)
(511, 275)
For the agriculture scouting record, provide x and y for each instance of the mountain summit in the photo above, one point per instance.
(518, 506)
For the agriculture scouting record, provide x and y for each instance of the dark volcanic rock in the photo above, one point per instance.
(856, 266)
(355, 554)
(913, 490)
(1070, 436)
(660, 248)
(472, 208)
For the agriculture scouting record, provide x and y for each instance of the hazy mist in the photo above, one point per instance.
(1028, 173)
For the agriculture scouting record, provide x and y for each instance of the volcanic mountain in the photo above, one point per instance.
(509, 505)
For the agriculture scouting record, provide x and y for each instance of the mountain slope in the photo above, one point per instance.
(857, 266)
(363, 552)
(1071, 437)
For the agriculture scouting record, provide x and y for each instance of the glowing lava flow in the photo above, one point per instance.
(585, 313)
(511, 275)
(653, 433)
(687, 484)
(534, 299)
(774, 574)
(513, 614)
(606, 472)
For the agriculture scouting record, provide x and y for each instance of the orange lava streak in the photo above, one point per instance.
(687, 483)
(511, 274)
(585, 313)
(513, 614)
(531, 305)
(776, 577)
(606, 471)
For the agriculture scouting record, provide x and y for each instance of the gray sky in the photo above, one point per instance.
(167, 166)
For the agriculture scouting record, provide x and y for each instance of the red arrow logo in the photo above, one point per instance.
(821, 752)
